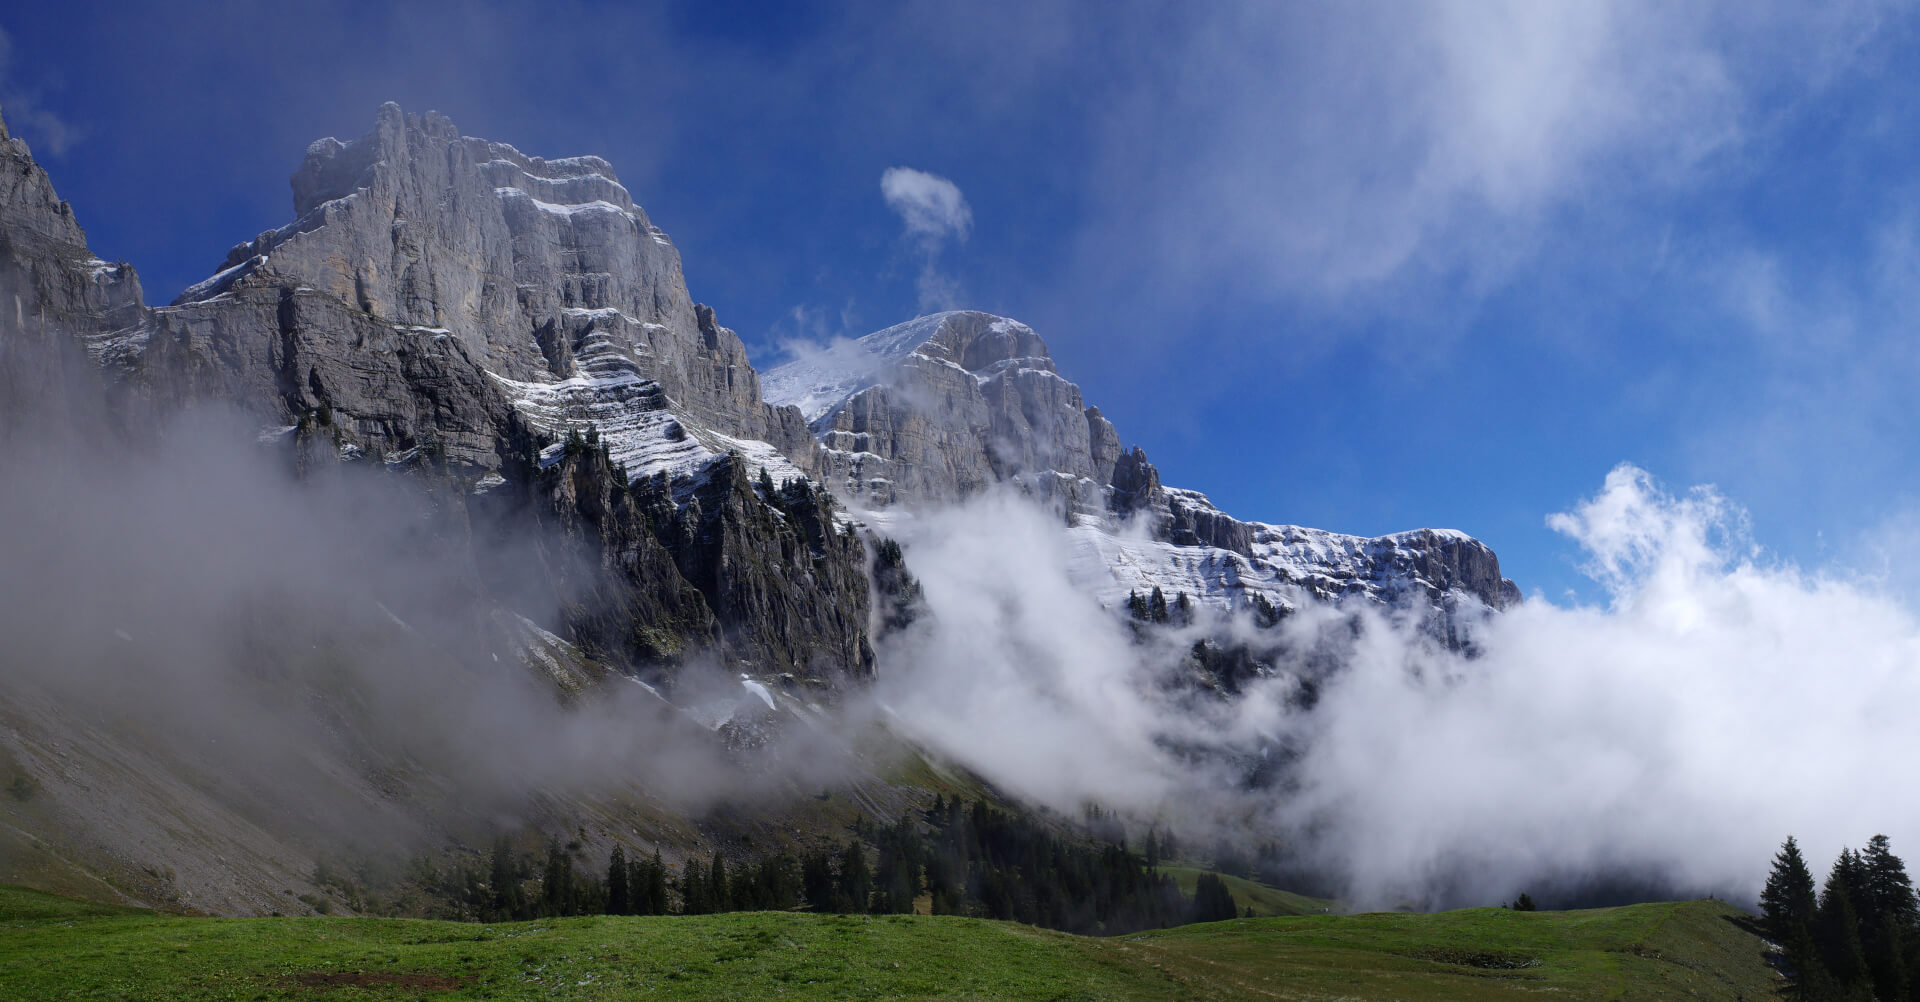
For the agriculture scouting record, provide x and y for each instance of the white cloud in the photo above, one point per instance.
(25, 114)
(934, 211)
(1715, 705)
(1320, 150)
(930, 205)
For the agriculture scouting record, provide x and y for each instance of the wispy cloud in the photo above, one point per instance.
(26, 114)
(1716, 703)
(1323, 151)
(931, 206)
(934, 212)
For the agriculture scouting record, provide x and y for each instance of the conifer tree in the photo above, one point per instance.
(718, 891)
(639, 901)
(657, 885)
(556, 887)
(1788, 905)
(817, 882)
(1836, 933)
(1887, 916)
(1787, 902)
(856, 880)
(1157, 605)
(504, 881)
(618, 902)
(1212, 901)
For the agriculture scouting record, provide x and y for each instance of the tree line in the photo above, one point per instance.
(1857, 938)
(960, 859)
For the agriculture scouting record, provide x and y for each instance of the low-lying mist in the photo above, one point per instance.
(326, 646)
(323, 648)
(1664, 742)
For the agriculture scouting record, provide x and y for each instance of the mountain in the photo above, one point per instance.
(452, 306)
(515, 440)
(53, 290)
(944, 406)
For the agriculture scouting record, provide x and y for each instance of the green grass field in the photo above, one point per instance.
(1265, 901)
(56, 948)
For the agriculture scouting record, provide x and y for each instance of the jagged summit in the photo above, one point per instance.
(516, 334)
(942, 406)
(544, 272)
(822, 379)
(56, 295)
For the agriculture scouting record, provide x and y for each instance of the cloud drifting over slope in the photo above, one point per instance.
(1672, 737)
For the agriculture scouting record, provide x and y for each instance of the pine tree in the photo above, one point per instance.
(718, 891)
(1788, 902)
(1157, 605)
(618, 901)
(856, 880)
(556, 887)
(816, 881)
(693, 888)
(1788, 905)
(1887, 915)
(1836, 932)
(657, 885)
(638, 891)
(504, 881)
(1212, 901)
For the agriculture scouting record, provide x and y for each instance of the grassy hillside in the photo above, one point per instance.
(56, 948)
(1265, 901)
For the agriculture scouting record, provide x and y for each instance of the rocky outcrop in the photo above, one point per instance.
(540, 270)
(472, 317)
(53, 289)
(784, 575)
(953, 402)
(941, 407)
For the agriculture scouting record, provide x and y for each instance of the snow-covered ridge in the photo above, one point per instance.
(820, 377)
(900, 427)
(565, 208)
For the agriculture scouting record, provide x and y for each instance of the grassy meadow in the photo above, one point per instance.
(58, 948)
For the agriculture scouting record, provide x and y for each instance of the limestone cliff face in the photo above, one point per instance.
(941, 407)
(954, 402)
(53, 290)
(778, 560)
(539, 270)
(451, 310)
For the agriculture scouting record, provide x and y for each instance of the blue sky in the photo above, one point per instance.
(1365, 267)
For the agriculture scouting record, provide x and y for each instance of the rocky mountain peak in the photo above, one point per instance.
(542, 273)
(946, 405)
(53, 288)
